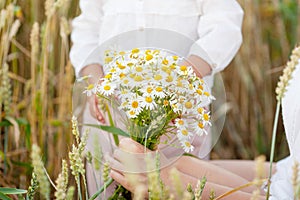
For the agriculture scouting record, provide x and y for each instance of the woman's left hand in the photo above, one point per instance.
(128, 166)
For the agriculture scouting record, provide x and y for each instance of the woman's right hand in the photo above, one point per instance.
(94, 108)
(96, 72)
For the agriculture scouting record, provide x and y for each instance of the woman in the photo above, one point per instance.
(225, 175)
(213, 25)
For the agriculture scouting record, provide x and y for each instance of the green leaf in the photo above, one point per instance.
(110, 129)
(5, 123)
(12, 191)
(4, 197)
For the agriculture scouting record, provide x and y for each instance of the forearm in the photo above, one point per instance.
(197, 169)
(219, 189)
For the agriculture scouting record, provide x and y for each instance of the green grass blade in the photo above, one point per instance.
(110, 129)
(4, 190)
(4, 197)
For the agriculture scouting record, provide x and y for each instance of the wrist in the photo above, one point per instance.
(200, 66)
(95, 70)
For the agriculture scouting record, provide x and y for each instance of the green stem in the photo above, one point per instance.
(111, 122)
(79, 188)
(106, 184)
(5, 149)
(273, 146)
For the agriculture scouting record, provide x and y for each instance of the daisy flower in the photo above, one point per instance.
(199, 128)
(180, 123)
(90, 90)
(135, 104)
(148, 103)
(206, 118)
(187, 146)
(184, 134)
(147, 90)
(188, 106)
(158, 91)
(106, 88)
(131, 114)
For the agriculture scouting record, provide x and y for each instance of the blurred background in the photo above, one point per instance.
(36, 80)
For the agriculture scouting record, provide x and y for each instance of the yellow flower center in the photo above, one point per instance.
(184, 132)
(183, 68)
(179, 83)
(107, 87)
(108, 59)
(175, 58)
(206, 117)
(90, 87)
(156, 51)
(169, 79)
(138, 78)
(148, 99)
(165, 62)
(126, 81)
(139, 69)
(180, 122)
(149, 57)
(122, 75)
(157, 77)
(173, 66)
(131, 112)
(200, 110)
(158, 89)
(121, 66)
(122, 53)
(149, 89)
(130, 64)
(187, 144)
(147, 51)
(200, 87)
(136, 50)
(206, 94)
(188, 105)
(200, 125)
(107, 76)
(135, 104)
(166, 102)
(199, 91)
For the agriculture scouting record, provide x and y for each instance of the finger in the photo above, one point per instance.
(121, 179)
(115, 164)
(130, 162)
(132, 146)
(99, 115)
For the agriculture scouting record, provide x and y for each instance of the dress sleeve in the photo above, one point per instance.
(219, 32)
(85, 34)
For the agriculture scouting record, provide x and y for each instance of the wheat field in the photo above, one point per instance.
(36, 80)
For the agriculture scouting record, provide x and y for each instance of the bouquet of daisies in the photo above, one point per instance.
(158, 95)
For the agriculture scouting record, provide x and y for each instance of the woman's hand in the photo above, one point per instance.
(200, 66)
(96, 72)
(130, 158)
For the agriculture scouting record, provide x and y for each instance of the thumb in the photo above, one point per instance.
(131, 146)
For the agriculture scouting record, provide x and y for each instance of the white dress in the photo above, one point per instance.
(281, 185)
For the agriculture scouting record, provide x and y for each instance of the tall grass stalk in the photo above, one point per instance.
(273, 147)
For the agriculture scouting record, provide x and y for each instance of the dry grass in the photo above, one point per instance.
(270, 32)
(41, 77)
